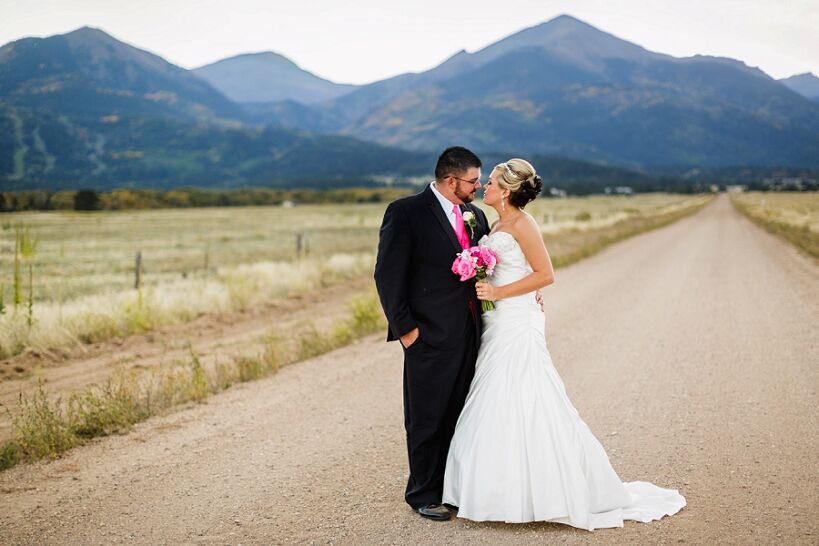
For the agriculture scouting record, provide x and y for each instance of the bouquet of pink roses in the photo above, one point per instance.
(478, 262)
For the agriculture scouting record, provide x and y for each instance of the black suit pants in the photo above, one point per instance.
(436, 382)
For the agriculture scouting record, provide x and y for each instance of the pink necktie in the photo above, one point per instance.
(460, 229)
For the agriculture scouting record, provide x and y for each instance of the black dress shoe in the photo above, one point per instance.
(437, 512)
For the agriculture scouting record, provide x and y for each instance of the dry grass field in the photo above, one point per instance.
(75, 277)
(794, 216)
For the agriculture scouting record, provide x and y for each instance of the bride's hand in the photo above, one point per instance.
(486, 291)
(539, 299)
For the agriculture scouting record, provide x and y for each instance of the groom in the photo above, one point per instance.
(436, 317)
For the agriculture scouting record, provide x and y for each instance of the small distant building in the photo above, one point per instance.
(619, 190)
(557, 192)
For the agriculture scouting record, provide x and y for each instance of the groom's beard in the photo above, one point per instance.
(466, 197)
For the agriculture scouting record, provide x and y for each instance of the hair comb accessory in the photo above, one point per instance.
(510, 171)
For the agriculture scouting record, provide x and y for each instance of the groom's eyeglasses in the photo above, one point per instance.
(474, 181)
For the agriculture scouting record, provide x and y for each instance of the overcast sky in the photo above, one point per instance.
(361, 41)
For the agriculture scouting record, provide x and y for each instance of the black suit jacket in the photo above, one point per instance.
(413, 271)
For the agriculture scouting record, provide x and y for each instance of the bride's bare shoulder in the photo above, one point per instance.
(525, 227)
(524, 222)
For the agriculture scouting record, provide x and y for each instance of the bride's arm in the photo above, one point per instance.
(530, 240)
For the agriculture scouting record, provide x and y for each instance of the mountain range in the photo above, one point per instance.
(566, 88)
(85, 109)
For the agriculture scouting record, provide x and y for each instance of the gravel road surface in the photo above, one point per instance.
(692, 352)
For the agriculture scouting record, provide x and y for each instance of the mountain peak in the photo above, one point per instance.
(87, 29)
(566, 21)
(576, 40)
(256, 58)
(807, 76)
(806, 84)
(565, 17)
(87, 33)
(564, 36)
(267, 76)
(89, 70)
(99, 52)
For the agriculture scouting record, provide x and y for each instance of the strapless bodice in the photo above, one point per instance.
(512, 266)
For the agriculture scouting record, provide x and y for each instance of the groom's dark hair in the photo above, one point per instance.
(455, 160)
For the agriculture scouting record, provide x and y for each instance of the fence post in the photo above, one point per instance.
(302, 244)
(137, 269)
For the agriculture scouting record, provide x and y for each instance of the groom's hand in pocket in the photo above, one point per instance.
(409, 338)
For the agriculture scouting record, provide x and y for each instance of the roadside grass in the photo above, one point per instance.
(46, 428)
(100, 317)
(572, 245)
(792, 216)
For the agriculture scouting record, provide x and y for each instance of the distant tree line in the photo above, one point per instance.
(128, 198)
(148, 198)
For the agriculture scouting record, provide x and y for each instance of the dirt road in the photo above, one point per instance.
(692, 352)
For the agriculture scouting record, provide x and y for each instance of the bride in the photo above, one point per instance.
(520, 451)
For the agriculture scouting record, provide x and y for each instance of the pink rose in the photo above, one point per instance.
(489, 259)
(477, 260)
(464, 265)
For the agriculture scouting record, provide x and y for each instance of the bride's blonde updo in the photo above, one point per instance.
(519, 177)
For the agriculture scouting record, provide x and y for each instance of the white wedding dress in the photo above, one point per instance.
(520, 451)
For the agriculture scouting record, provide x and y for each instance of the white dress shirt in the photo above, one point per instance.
(446, 204)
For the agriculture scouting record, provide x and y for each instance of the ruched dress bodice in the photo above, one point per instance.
(512, 266)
